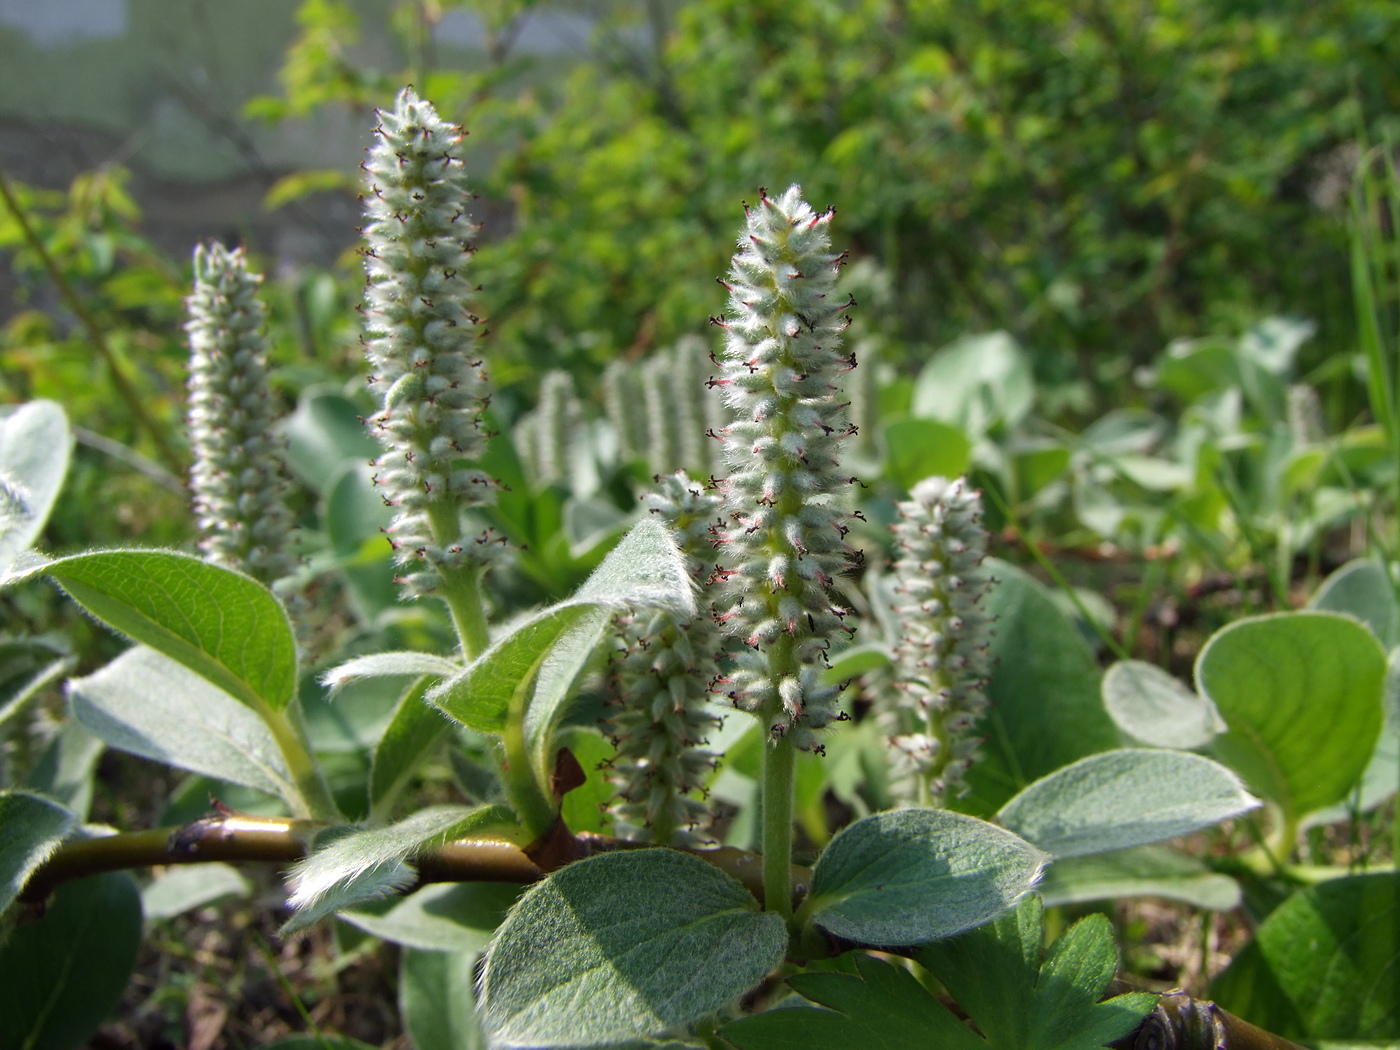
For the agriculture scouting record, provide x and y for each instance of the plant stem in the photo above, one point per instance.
(99, 342)
(779, 765)
(523, 790)
(313, 799)
(461, 588)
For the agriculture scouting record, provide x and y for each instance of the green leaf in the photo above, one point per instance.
(921, 448)
(534, 667)
(1363, 589)
(1301, 694)
(437, 1000)
(414, 730)
(389, 665)
(1153, 707)
(1045, 710)
(222, 625)
(1145, 871)
(365, 864)
(146, 704)
(915, 875)
(881, 1007)
(32, 829)
(1325, 964)
(443, 917)
(61, 976)
(624, 945)
(856, 660)
(480, 695)
(1119, 799)
(324, 434)
(185, 887)
(996, 976)
(976, 383)
(65, 767)
(1378, 783)
(35, 444)
(355, 512)
(27, 666)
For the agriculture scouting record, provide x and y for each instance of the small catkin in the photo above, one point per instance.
(622, 400)
(783, 535)
(662, 676)
(420, 336)
(942, 661)
(239, 476)
(558, 423)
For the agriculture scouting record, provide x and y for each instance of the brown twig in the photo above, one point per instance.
(95, 335)
(282, 840)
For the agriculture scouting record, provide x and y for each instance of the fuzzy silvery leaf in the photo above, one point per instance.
(35, 444)
(976, 383)
(363, 865)
(389, 665)
(623, 946)
(33, 827)
(1124, 798)
(443, 917)
(64, 769)
(1390, 696)
(1363, 588)
(1301, 694)
(62, 976)
(223, 626)
(185, 887)
(1144, 871)
(915, 875)
(146, 704)
(1151, 706)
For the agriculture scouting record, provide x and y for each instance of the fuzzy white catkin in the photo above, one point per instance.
(420, 336)
(660, 718)
(783, 536)
(238, 478)
(942, 661)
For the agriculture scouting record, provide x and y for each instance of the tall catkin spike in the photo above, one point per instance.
(420, 338)
(659, 399)
(622, 400)
(662, 679)
(558, 422)
(689, 372)
(238, 477)
(783, 534)
(942, 660)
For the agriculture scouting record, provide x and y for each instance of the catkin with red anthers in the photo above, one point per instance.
(660, 717)
(783, 538)
(420, 338)
(942, 661)
(239, 477)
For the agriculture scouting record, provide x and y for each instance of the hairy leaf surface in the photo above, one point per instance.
(32, 829)
(1119, 799)
(1155, 708)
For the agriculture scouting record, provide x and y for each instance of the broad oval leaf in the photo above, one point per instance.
(1301, 694)
(916, 875)
(1046, 710)
(1153, 707)
(223, 626)
(1144, 871)
(1126, 798)
(921, 448)
(1325, 964)
(185, 887)
(147, 704)
(443, 917)
(976, 383)
(1363, 588)
(622, 946)
(35, 444)
(365, 864)
(32, 829)
(61, 976)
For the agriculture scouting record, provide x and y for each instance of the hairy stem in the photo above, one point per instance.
(461, 586)
(313, 799)
(779, 764)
